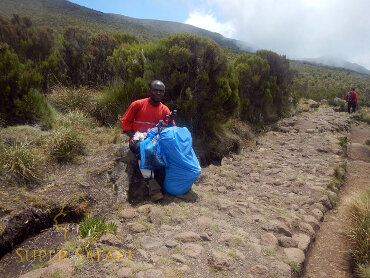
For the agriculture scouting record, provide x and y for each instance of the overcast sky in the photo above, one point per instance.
(295, 28)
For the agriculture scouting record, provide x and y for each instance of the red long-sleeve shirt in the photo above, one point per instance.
(354, 96)
(141, 115)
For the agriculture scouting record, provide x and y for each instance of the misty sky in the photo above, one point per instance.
(295, 28)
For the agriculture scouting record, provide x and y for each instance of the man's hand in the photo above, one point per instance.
(171, 117)
(134, 146)
(130, 133)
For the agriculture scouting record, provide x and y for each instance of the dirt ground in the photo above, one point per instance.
(329, 256)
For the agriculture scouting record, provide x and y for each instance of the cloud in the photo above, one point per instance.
(300, 28)
(209, 22)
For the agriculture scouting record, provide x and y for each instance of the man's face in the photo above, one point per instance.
(157, 92)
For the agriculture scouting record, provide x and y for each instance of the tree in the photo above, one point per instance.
(199, 81)
(17, 80)
(75, 53)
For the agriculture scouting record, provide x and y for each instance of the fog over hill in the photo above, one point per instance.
(338, 63)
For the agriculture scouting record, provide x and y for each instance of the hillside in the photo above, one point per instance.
(254, 216)
(60, 13)
(323, 82)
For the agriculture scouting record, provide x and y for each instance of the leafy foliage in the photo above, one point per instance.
(28, 41)
(16, 82)
(199, 81)
(263, 86)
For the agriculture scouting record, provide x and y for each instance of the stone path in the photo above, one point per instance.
(254, 216)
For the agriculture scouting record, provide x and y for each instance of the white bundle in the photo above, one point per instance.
(138, 136)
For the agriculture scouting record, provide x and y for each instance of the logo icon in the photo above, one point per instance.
(56, 222)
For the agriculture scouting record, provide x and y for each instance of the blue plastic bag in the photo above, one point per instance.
(150, 153)
(182, 168)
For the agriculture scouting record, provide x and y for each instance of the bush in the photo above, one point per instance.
(33, 107)
(359, 230)
(239, 128)
(19, 163)
(65, 144)
(264, 90)
(16, 81)
(69, 99)
(200, 84)
(112, 103)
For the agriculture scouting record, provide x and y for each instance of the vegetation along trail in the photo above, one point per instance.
(330, 254)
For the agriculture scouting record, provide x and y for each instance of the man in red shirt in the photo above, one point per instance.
(145, 113)
(351, 99)
(141, 115)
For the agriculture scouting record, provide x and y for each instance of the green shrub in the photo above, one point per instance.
(33, 107)
(16, 82)
(19, 163)
(264, 90)
(65, 144)
(95, 227)
(112, 103)
(359, 229)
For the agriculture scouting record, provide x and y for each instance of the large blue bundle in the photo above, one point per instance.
(182, 168)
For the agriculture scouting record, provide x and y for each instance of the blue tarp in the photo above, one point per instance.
(182, 168)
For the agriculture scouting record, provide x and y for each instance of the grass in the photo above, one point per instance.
(75, 119)
(112, 101)
(235, 241)
(96, 227)
(363, 114)
(22, 133)
(175, 214)
(65, 144)
(358, 210)
(295, 267)
(231, 253)
(19, 163)
(364, 270)
(339, 173)
(38, 265)
(268, 252)
(343, 141)
(71, 99)
(137, 267)
(57, 274)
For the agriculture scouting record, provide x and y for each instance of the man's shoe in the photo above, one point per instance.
(156, 197)
(153, 185)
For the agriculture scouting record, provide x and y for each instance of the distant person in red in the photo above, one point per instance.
(351, 99)
(140, 116)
